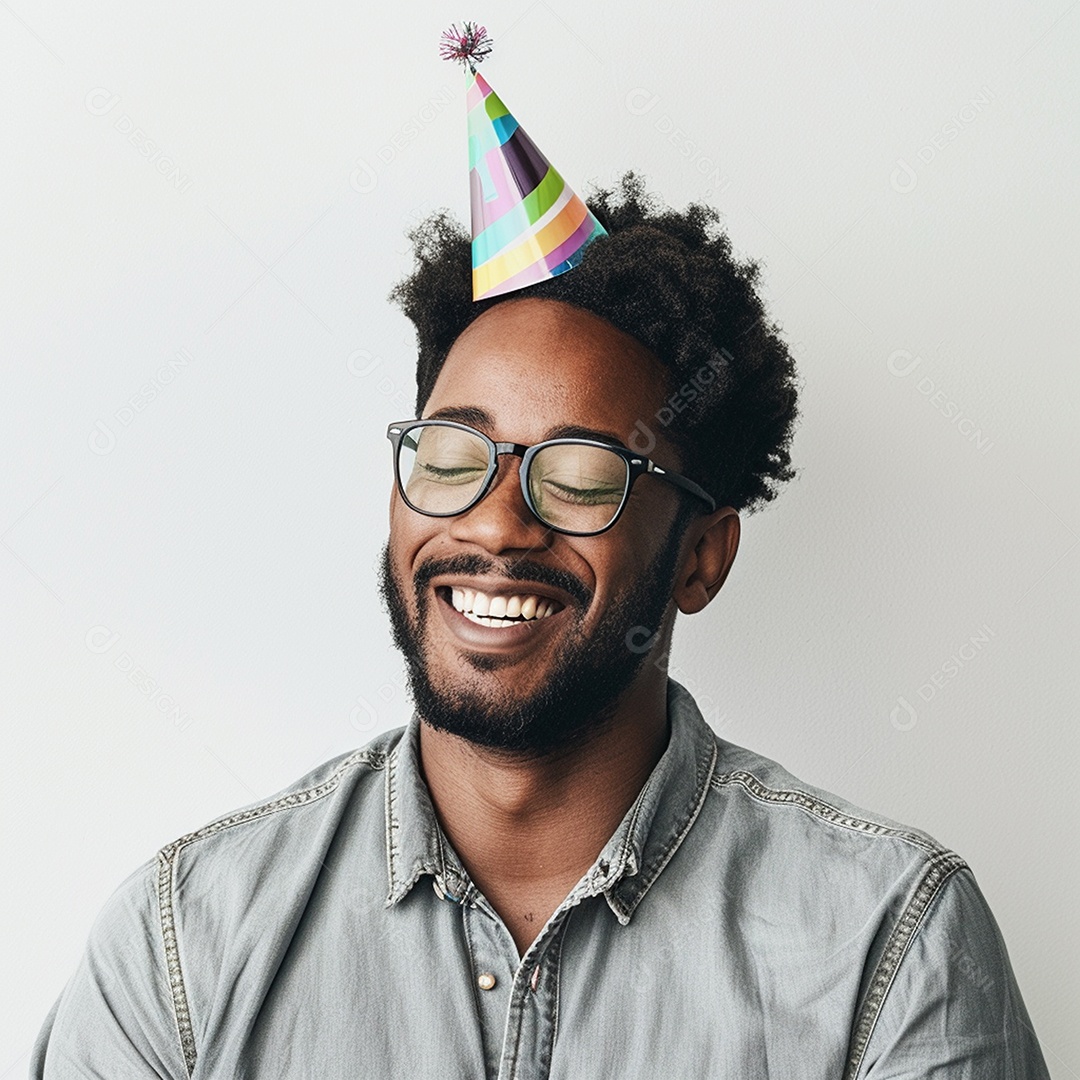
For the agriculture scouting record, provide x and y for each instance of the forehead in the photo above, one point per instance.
(536, 364)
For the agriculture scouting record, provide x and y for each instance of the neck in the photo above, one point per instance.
(539, 824)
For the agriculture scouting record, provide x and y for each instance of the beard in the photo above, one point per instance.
(588, 673)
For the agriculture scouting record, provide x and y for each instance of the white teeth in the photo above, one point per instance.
(500, 610)
(484, 620)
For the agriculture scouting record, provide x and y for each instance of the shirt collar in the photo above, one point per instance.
(624, 871)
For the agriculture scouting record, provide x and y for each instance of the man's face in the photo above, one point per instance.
(522, 372)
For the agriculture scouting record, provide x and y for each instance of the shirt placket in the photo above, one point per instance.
(516, 998)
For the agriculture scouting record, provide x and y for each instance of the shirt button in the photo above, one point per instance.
(486, 981)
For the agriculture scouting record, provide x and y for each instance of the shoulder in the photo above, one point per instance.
(773, 836)
(319, 793)
(115, 1013)
(794, 842)
(234, 865)
(217, 897)
(227, 893)
(943, 992)
(773, 794)
(935, 980)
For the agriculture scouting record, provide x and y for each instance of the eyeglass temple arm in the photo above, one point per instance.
(681, 481)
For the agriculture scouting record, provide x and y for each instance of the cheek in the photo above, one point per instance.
(624, 568)
(609, 567)
(407, 536)
(408, 529)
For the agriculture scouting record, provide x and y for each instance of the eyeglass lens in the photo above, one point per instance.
(572, 486)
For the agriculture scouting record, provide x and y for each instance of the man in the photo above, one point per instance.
(557, 869)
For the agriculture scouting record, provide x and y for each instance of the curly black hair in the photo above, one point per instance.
(670, 280)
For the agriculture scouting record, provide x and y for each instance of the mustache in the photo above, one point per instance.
(519, 570)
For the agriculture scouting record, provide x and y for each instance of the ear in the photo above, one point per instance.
(710, 546)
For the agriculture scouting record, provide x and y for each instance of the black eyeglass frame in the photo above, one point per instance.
(636, 465)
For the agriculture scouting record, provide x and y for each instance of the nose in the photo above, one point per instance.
(501, 520)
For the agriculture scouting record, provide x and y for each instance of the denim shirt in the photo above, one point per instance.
(739, 923)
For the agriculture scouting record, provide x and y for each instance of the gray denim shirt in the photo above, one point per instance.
(739, 923)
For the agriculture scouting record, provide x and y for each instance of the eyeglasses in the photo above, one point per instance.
(574, 486)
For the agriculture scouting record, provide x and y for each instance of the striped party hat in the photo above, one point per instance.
(528, 225)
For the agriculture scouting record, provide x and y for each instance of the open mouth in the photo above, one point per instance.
(499, 609)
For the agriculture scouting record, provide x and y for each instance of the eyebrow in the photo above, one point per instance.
(482, 419)
(463, 414)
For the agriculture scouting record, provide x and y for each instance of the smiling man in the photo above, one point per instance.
(516, 606)
(556, 868)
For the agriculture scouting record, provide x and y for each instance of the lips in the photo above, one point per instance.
(499, 616)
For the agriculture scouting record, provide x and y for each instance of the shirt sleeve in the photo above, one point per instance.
(115, 1016)
(954, 1010)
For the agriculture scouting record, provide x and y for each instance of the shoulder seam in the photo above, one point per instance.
(375, 758)
(821, 809)
(938, 871)
(167, 859)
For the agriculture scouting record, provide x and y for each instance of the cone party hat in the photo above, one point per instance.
(528, 225)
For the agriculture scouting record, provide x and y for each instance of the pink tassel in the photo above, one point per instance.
(469, 45)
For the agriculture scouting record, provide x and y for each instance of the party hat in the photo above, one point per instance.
(528, 225)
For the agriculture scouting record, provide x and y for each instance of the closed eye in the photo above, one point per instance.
(591, 496)
(454, 475)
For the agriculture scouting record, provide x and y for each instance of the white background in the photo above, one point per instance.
(907, 174)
